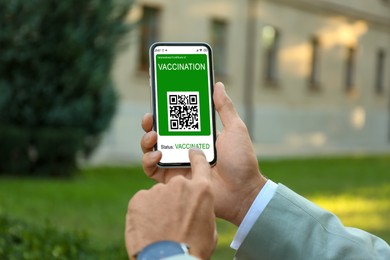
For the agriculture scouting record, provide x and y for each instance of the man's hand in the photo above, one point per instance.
(181, 210)
(236, 179)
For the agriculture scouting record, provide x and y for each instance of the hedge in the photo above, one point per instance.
(19, 240)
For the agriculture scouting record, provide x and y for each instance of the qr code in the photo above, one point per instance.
(183, 110)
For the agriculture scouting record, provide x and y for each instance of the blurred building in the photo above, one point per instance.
(308, 77)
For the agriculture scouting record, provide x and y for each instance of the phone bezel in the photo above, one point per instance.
(154, 94)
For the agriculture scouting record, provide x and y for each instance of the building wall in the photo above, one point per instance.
(290, 117)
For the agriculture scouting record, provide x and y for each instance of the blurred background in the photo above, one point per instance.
(311, 79)
(308, 77)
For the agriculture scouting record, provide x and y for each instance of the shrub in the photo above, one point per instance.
(19, 240)
(54, 151)
(13, 149)
(55, 64)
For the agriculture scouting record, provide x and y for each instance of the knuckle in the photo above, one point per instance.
(146, 139)
(177, 180)
(145, 159)
(137, 198)
(158, 186)
(144, 148)
(240, 125)
(203, 187)
(145, 165)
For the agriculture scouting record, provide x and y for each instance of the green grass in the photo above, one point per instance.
(95, 201)
(356, 188)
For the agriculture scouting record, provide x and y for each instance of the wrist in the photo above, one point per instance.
(247, 200)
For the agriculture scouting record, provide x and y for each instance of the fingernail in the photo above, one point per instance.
(196, 150)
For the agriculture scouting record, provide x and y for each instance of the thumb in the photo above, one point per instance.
(224, 106)
(200, 168)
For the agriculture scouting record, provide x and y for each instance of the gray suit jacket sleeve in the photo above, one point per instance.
(292, 227)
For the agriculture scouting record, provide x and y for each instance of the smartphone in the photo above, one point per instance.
(182, 85)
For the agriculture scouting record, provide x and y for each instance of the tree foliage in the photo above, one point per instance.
(55, 86)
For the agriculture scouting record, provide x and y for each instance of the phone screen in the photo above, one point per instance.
(182, 89)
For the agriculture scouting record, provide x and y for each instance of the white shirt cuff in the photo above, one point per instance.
(257, 207)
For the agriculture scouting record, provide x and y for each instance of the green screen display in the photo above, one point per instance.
(183, 94)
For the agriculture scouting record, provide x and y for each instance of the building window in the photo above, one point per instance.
(218, 42)
(350, 69)
(314, 77)
(380, 72)
(149, 28)
(270, 40)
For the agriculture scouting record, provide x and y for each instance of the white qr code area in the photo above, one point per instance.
(183, 111)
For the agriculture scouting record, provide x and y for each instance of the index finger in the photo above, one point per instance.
(200, 167)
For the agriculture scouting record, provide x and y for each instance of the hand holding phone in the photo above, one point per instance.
(183, 109)
(236, 178)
